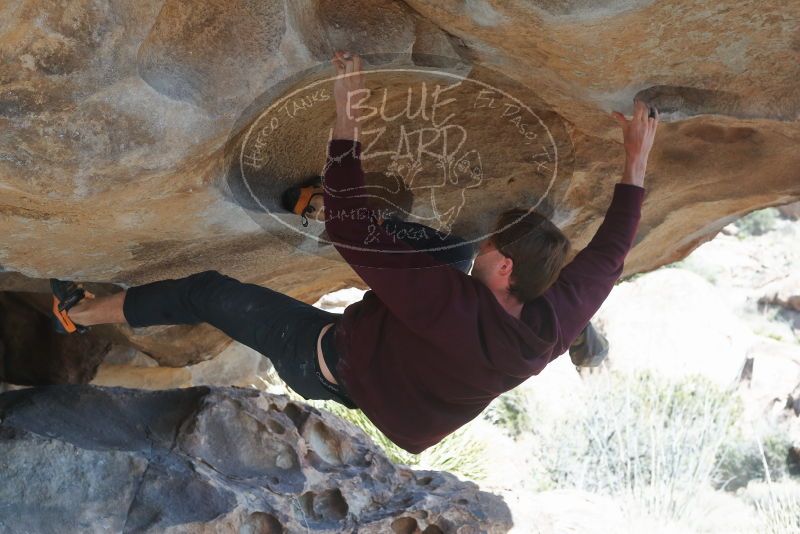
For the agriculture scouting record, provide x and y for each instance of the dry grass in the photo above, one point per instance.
(779, 512)
(652, 442)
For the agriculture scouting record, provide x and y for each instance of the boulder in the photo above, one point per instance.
(237, 365)
(125, 128)
(772, 378)
(790, 211)
(784, 292)
(117, 116)
(92, 459)
(677, 323)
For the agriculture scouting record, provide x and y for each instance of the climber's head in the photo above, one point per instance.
(523, 259)
(305, 199)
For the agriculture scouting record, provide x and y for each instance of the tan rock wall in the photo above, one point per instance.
(115, 119)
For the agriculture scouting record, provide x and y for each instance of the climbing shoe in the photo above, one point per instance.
(65, 296)
(589, 349)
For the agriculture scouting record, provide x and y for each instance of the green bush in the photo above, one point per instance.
(649, 440)
(740, 460)
(510, 412)
(757, 222)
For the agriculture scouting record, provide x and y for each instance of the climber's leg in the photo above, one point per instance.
(99, 310)
(282, 328)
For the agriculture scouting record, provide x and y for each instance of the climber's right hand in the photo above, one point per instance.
(638, 136)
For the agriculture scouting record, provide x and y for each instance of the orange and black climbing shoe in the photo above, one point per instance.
(65, 296)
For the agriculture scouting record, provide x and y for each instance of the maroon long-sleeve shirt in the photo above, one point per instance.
(429, 347)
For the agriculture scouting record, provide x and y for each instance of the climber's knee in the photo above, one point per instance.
(200, 291)
(206, 278)
(211, 274)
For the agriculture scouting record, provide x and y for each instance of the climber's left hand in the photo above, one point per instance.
(348, 91)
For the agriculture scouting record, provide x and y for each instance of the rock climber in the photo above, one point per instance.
(589, 349)
(428, 347)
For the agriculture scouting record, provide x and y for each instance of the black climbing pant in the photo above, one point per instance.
(280, 327)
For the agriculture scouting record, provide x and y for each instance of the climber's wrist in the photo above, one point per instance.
(345, 127)
(635, 168)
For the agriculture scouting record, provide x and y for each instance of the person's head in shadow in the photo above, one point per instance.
(386, 197)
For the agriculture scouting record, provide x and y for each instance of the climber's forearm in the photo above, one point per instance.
(638, 137)
(99, 310)
(349, 94)
(346, 127)
(634, 172)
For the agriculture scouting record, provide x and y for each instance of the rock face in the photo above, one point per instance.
(31, 353)
(790, 211)
(121, 124)
(115, 118)
(121, 129)
(784, 292)
(88, 459)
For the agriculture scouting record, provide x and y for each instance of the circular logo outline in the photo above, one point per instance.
(280, 101)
